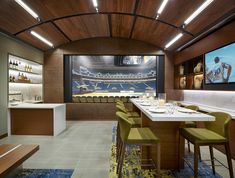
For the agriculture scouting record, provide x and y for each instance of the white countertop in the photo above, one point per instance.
(207, 108)
(176, 116)
(35, 106)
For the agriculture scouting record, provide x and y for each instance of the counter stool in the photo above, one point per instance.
(214, 133)
(134, 136)
(191, 124)
(129, 113)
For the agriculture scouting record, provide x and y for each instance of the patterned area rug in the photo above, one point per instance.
(45, 173)
(132, 168)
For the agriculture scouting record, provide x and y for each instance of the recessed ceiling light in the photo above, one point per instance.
(163, 5)
(41, 38)
(174, 40)
(198, 11)
(28, 9)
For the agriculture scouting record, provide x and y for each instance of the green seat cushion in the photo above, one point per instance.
(135, 120)
(190, 124)
(141, 136)
(201, 136)
(133, 114)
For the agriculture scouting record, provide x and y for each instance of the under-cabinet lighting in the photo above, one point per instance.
(174, 40)
(197, 12)
(28, 9)
(161, 8)
(41, 38)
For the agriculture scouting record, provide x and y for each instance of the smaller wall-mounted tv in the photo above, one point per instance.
(220, 65)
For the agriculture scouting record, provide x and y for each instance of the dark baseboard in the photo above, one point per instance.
(3, 135)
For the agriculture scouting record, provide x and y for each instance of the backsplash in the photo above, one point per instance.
(220, 99)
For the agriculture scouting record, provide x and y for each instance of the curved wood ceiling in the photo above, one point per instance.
(63, 21)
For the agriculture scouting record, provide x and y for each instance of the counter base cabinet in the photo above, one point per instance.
(32, 121)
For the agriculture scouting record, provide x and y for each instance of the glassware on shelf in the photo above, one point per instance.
(162, 99)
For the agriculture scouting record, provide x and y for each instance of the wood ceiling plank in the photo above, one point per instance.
(212, 13)
(121, 6)
(152, 31)
(148, 7)
(13, 17)
(47, 30)
(87, 26)
(50, 9)
(121, 25)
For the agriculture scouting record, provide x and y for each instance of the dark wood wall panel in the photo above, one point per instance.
(87, 26)
(121, 25)
(219, 38)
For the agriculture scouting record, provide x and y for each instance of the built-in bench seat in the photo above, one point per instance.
(13, 155)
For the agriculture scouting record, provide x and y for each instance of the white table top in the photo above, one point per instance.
(35, 106)
(207, 108)
(176, 116)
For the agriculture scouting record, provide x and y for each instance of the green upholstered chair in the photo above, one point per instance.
(104, 99)
(122, 108)
(89, 99)
(214, 133)
(136, 136)
(96, 99)
(191, 123)
(83, 99)
(111, 99)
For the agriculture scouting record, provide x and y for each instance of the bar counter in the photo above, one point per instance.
(37, 119)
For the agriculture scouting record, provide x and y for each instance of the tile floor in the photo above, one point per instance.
(85, 147)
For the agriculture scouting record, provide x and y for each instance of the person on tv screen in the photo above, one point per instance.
(219, 73)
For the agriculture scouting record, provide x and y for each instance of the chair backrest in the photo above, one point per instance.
(120, 108)
(221, 123)
(111, 99)
(89, 99)
(83, 99)
(104, 99)
(193, 107)
(124, 125)
(96, 99)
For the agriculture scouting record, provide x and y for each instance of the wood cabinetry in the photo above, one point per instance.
(189, 74)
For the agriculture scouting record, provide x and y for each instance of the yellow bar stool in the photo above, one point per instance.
(214, 133)
(135, 136)
(122, 108)
(191, 124)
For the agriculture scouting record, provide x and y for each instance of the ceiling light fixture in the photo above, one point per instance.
(173, 40)
(95, 4)
(41, 38)
(197, 12)
(163, 5)
(28, 9)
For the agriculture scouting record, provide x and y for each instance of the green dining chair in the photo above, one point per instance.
(134, 136)
(214, 133)
(191, 124)
(122, 108)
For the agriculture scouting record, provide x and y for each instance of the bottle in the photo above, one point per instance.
(10, 79)
(13, 65)
(16, 65)
(13, 79)
(19, 76)
(10, 64)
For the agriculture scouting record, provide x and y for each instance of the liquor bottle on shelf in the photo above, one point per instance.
(10, 64)
(16, 65)
(10, 78)
(13, 79)
(26, 67)
(13, 65)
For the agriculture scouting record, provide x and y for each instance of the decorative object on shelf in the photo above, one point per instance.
(198, 68)
(183, 82)
(198, 81)
(181, 70)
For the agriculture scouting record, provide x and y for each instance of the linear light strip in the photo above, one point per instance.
(198, 11)
(163, 5)
(95, 3)
(41, 38)
(174, 40)
(27, 8)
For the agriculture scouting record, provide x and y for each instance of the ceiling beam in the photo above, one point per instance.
(106, 13)
(135, 17)
(58, 28)
(110, 25)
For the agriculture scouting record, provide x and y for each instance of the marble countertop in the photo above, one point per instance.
(34, 106)
(177, 115)
(207, 108)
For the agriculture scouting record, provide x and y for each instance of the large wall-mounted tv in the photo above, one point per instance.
(220, 65)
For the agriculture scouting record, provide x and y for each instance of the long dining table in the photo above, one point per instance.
(165, 123)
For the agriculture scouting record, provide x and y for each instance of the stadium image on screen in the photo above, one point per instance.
(113, 75)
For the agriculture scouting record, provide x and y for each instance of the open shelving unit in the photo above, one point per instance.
(189, 74)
